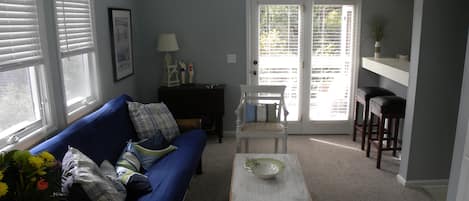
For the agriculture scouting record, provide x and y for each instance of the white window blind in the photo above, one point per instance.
(20, 45)
(331, 62)
(75, 27)
(279, 51)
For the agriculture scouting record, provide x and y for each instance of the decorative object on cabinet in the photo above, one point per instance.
(205, 101)
(191, 73)
(182, 67)
(121, 35)
(167, 43)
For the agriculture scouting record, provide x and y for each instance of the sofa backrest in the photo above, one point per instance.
(100, 135)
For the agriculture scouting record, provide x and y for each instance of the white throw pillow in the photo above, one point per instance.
(79, 170)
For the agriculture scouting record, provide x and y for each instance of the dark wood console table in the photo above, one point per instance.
(206, 101)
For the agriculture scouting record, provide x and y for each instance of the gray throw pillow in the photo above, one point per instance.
(79, 170)
(148, 119)
(109, 171)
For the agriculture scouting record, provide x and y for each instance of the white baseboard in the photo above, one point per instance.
(422, 183)
(233, 133)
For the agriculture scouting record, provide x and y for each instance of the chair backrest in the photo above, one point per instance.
(264, 94)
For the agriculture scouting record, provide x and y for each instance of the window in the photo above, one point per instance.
(22, 95)
(30, 106)
(77, 50)
(331, 62)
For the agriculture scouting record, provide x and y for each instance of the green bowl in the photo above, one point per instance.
(264, 168)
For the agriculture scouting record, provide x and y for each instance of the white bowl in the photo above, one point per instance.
(264, 168)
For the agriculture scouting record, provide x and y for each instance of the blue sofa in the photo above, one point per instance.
(103, 134)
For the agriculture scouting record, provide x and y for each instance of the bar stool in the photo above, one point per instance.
(364, 94)
(391, 108)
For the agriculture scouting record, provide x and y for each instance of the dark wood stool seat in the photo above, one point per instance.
(391, 108)
(363, 96)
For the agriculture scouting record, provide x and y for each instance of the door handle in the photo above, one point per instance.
(254, 72)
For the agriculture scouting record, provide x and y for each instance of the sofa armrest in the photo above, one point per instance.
(189, 124)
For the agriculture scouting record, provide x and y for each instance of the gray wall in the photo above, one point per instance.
(109, 88)
(397, 34)
(398, 89)
(207, 30)
(461, 130)
(438, 51)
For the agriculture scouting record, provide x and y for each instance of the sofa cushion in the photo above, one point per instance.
(261, 112)
(100, 135)
(149, 118)
(170, 176)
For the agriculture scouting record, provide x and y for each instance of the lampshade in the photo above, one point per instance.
(167, 42)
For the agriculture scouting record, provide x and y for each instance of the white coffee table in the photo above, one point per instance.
(287, 186)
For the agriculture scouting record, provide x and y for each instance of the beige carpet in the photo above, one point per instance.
(334, 167)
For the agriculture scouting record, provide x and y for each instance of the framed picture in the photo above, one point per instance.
(121, 35)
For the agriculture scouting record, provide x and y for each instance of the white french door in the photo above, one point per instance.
(310, 47)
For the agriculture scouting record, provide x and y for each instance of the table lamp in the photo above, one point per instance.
(167, 43)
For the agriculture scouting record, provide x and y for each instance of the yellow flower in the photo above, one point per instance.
(47, 156)
(3, 189)
(36, 162)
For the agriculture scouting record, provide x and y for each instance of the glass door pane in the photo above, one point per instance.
(279, 51)
(331, 62)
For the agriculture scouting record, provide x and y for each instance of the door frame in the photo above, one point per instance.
(461, 193)
(305, 126)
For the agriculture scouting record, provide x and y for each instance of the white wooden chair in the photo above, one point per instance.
(270, 129)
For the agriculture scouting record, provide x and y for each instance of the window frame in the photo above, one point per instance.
(41, 91)
(82, 107)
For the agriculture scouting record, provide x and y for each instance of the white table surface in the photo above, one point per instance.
(287, 186)
(392, 68)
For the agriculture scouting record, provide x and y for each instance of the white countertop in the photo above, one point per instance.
(391, 68)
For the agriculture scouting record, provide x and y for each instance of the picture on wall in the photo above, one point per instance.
(121, 35)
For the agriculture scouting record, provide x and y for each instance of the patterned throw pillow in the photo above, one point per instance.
(262, 112)
(149, 151)
(127, 168)
(81, 175)
(149, 118)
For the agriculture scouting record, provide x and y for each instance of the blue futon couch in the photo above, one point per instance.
(103, 134)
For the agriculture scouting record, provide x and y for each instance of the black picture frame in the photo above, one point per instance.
(120, 21)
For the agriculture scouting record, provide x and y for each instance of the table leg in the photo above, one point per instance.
(219, 128)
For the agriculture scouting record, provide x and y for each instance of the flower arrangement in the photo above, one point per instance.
(377, 28)
(24, 176)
